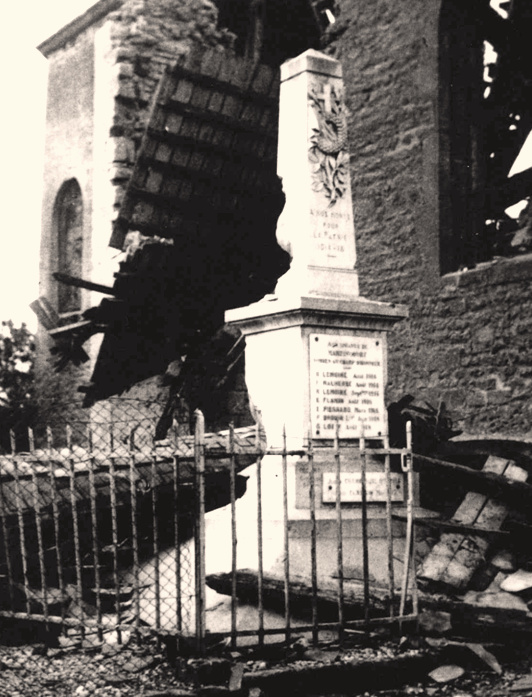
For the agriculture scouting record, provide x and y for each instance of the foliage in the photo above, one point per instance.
(17, 398)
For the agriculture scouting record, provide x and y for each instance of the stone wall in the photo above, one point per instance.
(68, 155)
(145, 36)
(469, 335)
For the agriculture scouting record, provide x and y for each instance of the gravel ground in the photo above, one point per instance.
(77, 673)
(27, 671)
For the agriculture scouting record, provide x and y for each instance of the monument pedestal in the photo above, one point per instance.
(315, 365)
(314, 362)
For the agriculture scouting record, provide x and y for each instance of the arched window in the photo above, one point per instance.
(68, 219)
(485, 117)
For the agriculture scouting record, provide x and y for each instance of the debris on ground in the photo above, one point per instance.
(372, 668)
(446, 673)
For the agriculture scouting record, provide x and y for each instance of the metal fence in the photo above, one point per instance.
(85, 528)
(357, 606)
(105, 537)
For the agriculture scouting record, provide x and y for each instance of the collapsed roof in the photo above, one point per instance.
(197, 222)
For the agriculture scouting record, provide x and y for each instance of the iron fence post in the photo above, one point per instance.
(199, 528)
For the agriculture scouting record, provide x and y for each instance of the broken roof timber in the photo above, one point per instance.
(209, 154)
(205, 197)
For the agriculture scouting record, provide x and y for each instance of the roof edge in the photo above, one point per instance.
(76, 26)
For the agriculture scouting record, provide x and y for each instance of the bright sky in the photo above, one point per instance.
(23, 79)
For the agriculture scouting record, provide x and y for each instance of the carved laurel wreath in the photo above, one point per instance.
(327, 154)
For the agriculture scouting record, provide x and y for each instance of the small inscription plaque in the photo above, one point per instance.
(351, 488)
(332, 237)
(346, 386)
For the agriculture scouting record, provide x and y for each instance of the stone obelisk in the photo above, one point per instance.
(316, 351)
(316, 226)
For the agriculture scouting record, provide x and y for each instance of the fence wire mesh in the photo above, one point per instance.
(95, 525)
(103, 542)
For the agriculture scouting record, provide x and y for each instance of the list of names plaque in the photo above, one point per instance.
(346, 386)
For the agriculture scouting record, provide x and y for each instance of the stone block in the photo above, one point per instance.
(124, 70)
(125, 117)
(499, 396)
(145, 91)
(125, 89)
(118, 195)
(119, 32)
(239, 378)
(121, 149)
(454, 399)
(124, 53)
(119, 173)
(475, 398)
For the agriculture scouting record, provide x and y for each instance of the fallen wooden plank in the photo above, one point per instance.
(452, 526)
(471, 619)
(517, 493)
(454, 559)
(300, 594)
(443, 552)
(69, 280)
(380, 673)
(467, 618)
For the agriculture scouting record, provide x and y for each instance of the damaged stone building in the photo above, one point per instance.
(438, 95)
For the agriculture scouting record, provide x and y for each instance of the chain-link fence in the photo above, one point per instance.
(96, 523)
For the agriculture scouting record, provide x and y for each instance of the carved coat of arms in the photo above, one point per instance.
(327, 154)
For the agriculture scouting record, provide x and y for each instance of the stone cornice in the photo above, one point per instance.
(314, 311)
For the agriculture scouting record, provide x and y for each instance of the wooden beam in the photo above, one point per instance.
(373, 675)
(61, 332)
(466, 618)
(473, 619)
(300, 593)
(46, 314)
(451, 526)
(519, 493)
(69, 280)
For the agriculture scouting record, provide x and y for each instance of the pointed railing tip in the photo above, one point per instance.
(31, 440)
(199, 426)
(310, 444)
(12, 441)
